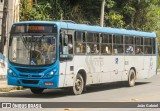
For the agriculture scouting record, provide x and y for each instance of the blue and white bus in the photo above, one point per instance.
(45, 54)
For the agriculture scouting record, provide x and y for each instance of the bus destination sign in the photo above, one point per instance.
(31, 28)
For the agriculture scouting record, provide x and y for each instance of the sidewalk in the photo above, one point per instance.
(4, 87)
(3, 83)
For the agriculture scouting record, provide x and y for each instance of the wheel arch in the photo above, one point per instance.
(84, 75)
(134, 70)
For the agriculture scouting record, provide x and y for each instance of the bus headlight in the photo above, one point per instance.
(10, 71)
(50, 74)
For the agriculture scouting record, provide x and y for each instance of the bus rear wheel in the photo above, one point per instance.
(79, 85)
(36, 90)
(131, 78)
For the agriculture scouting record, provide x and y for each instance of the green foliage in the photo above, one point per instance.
(114, 19)
(40, 11)
(130, 14)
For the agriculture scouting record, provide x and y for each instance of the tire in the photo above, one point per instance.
(131, 78)
(36, 90)
(79, 85)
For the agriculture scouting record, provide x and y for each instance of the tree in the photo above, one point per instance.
(130, 14)
(38, 11)
(4, 22)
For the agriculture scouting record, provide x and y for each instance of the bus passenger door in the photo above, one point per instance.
(66, 58)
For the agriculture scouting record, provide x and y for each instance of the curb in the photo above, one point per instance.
(11, 88)
(7, 89)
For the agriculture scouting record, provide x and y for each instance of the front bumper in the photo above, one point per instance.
(36, 83)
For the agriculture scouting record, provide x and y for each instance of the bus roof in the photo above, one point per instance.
(91, 28)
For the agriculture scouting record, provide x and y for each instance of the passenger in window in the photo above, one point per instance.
(88, 49)
(95, 49)
(108, 51)
(129, 49)
(79, 48)
(148, 50)
(139, 51)
(120, 49)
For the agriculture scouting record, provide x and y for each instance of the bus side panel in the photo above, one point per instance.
(144, 66)
(62, 67)
(148, 66)
(106, 68)
(83, 62)
(66, 75)
(137, 63)
(112, 67)
(154, 65)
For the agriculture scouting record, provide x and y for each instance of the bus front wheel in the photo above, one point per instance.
(36, 90)
(79, 85)
(131, 78)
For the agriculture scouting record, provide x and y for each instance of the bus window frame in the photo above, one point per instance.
(119, 44)
(83, 36)
(132, 44)
(65, 57)
(94, 42)
(109, 43)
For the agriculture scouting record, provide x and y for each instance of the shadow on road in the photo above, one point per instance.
(110, 86)
(57, 93)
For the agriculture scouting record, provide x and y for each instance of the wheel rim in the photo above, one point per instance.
(78, 85)
(78, 88)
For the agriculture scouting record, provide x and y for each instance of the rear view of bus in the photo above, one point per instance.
(32, 56)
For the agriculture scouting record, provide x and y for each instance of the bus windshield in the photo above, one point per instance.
(35, 49)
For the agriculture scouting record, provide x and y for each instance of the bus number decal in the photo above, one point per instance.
(116, 61)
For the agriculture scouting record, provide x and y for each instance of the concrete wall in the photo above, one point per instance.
(13, 16)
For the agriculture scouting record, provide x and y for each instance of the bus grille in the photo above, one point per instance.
(26, 70)
(30, 75)
(30, 81)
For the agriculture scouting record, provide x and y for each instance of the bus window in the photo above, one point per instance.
(147, 46)
(139, 50)
(129, 45)
(106, 44)
(80, 45)
(139, 46)
(118, 44)
(138, 41)
(66, 46)
(153, 45)
(92, 43)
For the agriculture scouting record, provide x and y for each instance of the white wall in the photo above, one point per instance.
(13, 16)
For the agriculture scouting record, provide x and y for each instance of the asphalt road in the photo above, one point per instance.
(146, 90)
